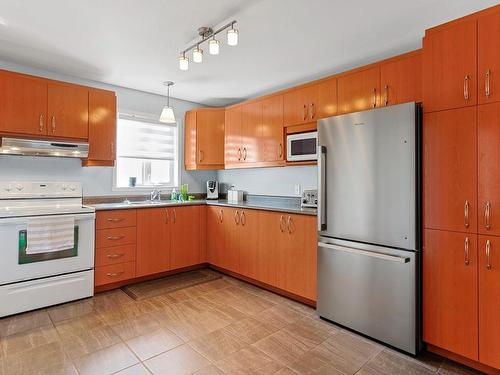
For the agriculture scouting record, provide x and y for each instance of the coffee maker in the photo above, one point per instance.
(212, 189)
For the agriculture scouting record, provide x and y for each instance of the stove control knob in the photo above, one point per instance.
(8, 188)
(72, 187)
(65, 187)
(19, 187)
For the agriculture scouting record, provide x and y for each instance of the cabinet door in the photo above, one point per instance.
(488, 133)
(326, 104)
(102, 125)
(190, 140)
(248, 240)
(300, 105)
(68, 111)
(359, 91)
(488, 58)
(215, 235)
(231, 255)
(450, 170)
(449, 57)
(232, 137)
(210, 136)
(297, 258)
(185, 232)
(450, 297)
(401, 80)
(272, 129)
(489, 301)
(153, 241)
(271, 238)
(23, 104)
(251, 132)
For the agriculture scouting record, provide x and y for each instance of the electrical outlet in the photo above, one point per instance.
(297, 190)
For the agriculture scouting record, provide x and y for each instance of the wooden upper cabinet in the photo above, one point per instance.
(326, 104)
(102, 126)
(251, 132)
(450, 291)
(185, 234)
(232, 137)
(489, 301)
(488, 140)
(300, 105)
(359, 91)
(23, 104)
(488, 58)
(204, 139)
(401, 80)
(272, 129)
(68, 110)
(450, 170)
(450, 66)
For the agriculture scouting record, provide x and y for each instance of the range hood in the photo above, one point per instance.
(35, 147)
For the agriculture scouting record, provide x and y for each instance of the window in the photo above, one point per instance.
(147, 151)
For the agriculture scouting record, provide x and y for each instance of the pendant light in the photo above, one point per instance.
(198, 55)
(213, 46)
(183, 62)
(167, 114)
(232, 36)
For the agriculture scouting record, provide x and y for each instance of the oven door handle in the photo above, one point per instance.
(25, 219)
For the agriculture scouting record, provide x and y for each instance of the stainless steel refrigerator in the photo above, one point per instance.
(369, 223)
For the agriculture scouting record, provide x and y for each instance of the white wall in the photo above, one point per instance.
(270, 181)
(97, 180)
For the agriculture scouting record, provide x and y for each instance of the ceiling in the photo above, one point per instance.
(136, 44)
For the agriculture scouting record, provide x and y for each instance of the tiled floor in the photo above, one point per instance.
(221, 327)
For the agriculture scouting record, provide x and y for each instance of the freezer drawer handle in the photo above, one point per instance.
(374, 254)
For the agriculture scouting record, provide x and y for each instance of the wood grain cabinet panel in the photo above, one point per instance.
(359, 91)
(251, 132)
(116, 254)
(450, 66)
(271, 238)
(272, 129)
(23, 104)
(301, 105)
(401, 80)
(489, 301)
(185, 235)
(488, 58)
(216, 235)
(190, 140)
(231, 255)
(115, 219)
(326, 98)
(248, 231)
(450, 291)
(232, 137)
(115, 237)
(114, 273)
(153, 241)
(102, 126)
(450, 170)
(68, 110)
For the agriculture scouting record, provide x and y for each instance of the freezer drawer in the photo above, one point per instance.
(370, 289)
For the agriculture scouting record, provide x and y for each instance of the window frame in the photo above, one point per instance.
(146, 189)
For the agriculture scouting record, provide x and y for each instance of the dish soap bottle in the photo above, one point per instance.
(173, 195)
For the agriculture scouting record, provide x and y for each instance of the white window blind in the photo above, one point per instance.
(146, 150)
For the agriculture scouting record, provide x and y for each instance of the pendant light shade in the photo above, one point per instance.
(183, 62)
(167, 114)
(197, 55)
(213, 47)
(232, 37)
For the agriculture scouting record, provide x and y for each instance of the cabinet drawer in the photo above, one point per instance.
(115, 237)
(115, 219)
(116, 254)
(114, 273)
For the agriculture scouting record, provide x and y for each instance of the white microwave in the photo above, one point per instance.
(302, 146)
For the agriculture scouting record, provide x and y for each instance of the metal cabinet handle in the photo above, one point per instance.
(243, 218)
(289, 225)
(488, 255)
(115, 238)
(53, 124)
(466, 251)
(221, 215)
(201, 155)
(386, 95)
(244, 153)
(487, 83)
(466, 87)
(280, 154)
(466, 214)
(313, 111)
(487, 213)
(115, 219)
(114, 274)
(239, 154)
(175, 215)
(282, 221)
(41, 123)
(237, 217)
(167, 216)
(374, 104)
(114, 256)
(304, 113)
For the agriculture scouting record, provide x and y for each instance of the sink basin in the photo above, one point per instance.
(147, 202)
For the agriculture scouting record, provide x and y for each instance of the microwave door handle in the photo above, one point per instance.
(321, 187)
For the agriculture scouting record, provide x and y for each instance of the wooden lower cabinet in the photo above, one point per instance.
(450, 291)
(215, 235)
(231, 253)
(185, 236)
(248, 239)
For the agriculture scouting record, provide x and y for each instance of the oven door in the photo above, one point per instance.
(301, 147)
(17, 266)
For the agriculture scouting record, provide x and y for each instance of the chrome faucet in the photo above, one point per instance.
(155, 194)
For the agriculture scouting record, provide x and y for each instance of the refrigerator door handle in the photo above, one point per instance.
(321, 188)
(374, 254)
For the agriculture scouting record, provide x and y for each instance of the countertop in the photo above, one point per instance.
(279, 204)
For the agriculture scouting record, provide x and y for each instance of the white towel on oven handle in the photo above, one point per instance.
(50, 234)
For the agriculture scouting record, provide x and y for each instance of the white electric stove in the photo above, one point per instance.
(31, 281)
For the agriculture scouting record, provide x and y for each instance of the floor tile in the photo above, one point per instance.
(452, 368)
(210, 370)
(138, 369)
(223, 311)
(249, 360)
(24, 322)
(106, 361)
(252, 304)
(27, 340)
(250, 330)
(136, 326)
(191, 327)
(81, 324)
(217, 345)
(157, 342)
(286, 371)
(279, 316)
(65, 369)
(79, 344)
(111, 299)
(181, 360)
(70, 310)
(312, 363)
(390, 363)
(311, 332)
